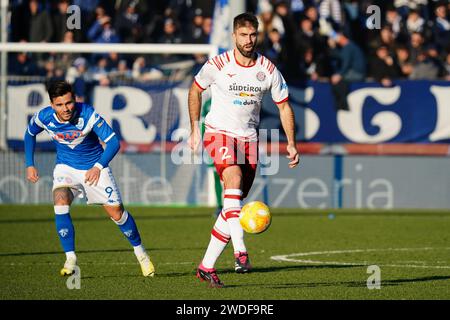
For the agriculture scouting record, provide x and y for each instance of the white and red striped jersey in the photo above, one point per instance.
(237, 92)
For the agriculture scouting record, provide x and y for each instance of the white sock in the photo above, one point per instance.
(71, 255)
(232, 205)
(220, 236)
(139, 250)
(237, 235)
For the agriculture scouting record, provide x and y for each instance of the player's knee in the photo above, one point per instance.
(61, 202)
(116, 216)
(115, 213)
(233, 182)
(62, 197)
(232, 178)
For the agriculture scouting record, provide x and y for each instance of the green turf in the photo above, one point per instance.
(30, 256)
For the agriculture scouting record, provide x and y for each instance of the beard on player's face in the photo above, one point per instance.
(246, 50)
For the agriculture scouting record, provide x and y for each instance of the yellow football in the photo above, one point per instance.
(255, 217)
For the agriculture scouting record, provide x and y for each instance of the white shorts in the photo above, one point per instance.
(105, 192)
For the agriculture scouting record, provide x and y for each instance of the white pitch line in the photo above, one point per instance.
(86, 263)
(420, 264)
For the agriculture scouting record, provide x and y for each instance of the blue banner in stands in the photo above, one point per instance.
(407, 112)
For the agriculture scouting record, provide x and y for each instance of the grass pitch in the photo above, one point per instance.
(305, 254)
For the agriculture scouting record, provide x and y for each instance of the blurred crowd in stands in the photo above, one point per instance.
(332, 39)
(326, 40)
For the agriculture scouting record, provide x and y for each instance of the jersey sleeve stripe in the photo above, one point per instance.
(29, 132)
(218, 62)
(284, 100)
(109, 138)
(90, 124)
(217, 66)
(270, 67)
(38, 121)
(228, 57)
(198, 85)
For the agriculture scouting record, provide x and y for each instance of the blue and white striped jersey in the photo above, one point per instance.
(77, 141)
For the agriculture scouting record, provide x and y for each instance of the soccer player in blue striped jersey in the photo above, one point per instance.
(81, 168)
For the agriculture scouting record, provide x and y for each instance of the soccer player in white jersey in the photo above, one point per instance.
(81, 168)
(238, 79)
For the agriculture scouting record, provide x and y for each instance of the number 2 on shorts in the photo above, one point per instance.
(224, 150)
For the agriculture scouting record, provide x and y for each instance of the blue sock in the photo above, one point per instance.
(64, 227)
(129, 229)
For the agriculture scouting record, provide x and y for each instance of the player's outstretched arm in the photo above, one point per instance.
(288, 122)
(195, 106)
(30, 143)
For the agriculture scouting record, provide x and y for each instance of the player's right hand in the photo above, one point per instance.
(194, 139)
(32, 174)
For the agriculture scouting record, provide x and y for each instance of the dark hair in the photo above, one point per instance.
(244, 19)
(59, 88)
(401, 47)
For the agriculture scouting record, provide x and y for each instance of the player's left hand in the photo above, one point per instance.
(293, 156)
(92, 176)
